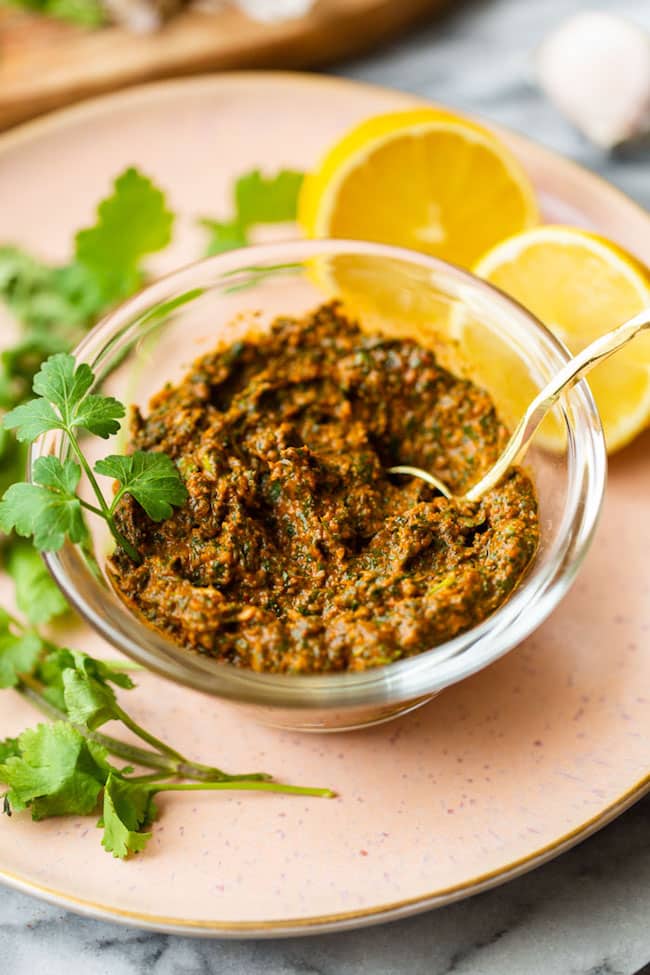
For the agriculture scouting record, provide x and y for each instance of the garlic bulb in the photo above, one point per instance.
(596, 68)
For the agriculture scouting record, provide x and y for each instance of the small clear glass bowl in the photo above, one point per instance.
(155, 336)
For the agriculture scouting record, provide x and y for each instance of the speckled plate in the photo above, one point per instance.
(496, 775)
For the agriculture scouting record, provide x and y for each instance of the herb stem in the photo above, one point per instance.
(248, 786)
(30, 689)
(15, 622)
(150, 739)
(91, 507)
(105, 512)
(181, 768)
(89, 472)
(143, 779)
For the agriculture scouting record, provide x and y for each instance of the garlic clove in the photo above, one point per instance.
(270, 11)
(595, 67)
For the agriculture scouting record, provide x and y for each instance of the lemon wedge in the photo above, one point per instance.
(579, 285)
(426, 179)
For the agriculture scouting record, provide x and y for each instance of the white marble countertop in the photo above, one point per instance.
(587, 913)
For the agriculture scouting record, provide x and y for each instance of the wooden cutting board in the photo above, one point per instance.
(45, 64)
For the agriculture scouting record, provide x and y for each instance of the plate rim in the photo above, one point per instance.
(318, 924)
(330, 923)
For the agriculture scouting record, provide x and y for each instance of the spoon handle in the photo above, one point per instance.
(568, 376)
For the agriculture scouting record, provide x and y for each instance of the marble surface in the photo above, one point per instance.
(587, 913)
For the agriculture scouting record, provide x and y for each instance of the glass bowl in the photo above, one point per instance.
(155, 336)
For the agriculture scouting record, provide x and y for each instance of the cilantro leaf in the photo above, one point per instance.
(131, 223)
(57, 771)
(47, 510)
(52, 667)
(37, 595)
(128, 808)
(267, 199)
(87, 701)
(98, 670)
(49, 671)
(151, 478)
(226, 236)
(18, 653)
(8, 747)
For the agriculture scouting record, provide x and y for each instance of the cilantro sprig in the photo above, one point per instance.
(49, 510)
(63, 767)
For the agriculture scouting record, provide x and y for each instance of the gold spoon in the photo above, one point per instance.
(568, 376)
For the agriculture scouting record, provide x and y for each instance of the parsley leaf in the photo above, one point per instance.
(18, 653)
(128, 808)
(55, 303)
(49, 509)
(62, 384)
(262, 199)
(66, 385)
(56, 772)
(32, 419)
(151, 478)
(257, 199)
(13, 460)
(226, 236)
(37, 595)
(131, 223)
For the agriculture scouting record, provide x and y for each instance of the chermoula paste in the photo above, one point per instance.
(297, 551)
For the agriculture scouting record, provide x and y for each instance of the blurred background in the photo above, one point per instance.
(478, 55)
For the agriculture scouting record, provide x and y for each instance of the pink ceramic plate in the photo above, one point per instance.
(500, 772)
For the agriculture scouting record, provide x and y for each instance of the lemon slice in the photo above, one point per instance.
(425, 179)
(580, 285)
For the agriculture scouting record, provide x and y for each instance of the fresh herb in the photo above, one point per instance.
(54, 305)
(257, 199)
(86, 13)
(47, 510)
(152, 479)
(37, 595)
(226, 236)
(19, 651)
(50, 510)
(131, 223)
(63, 768)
